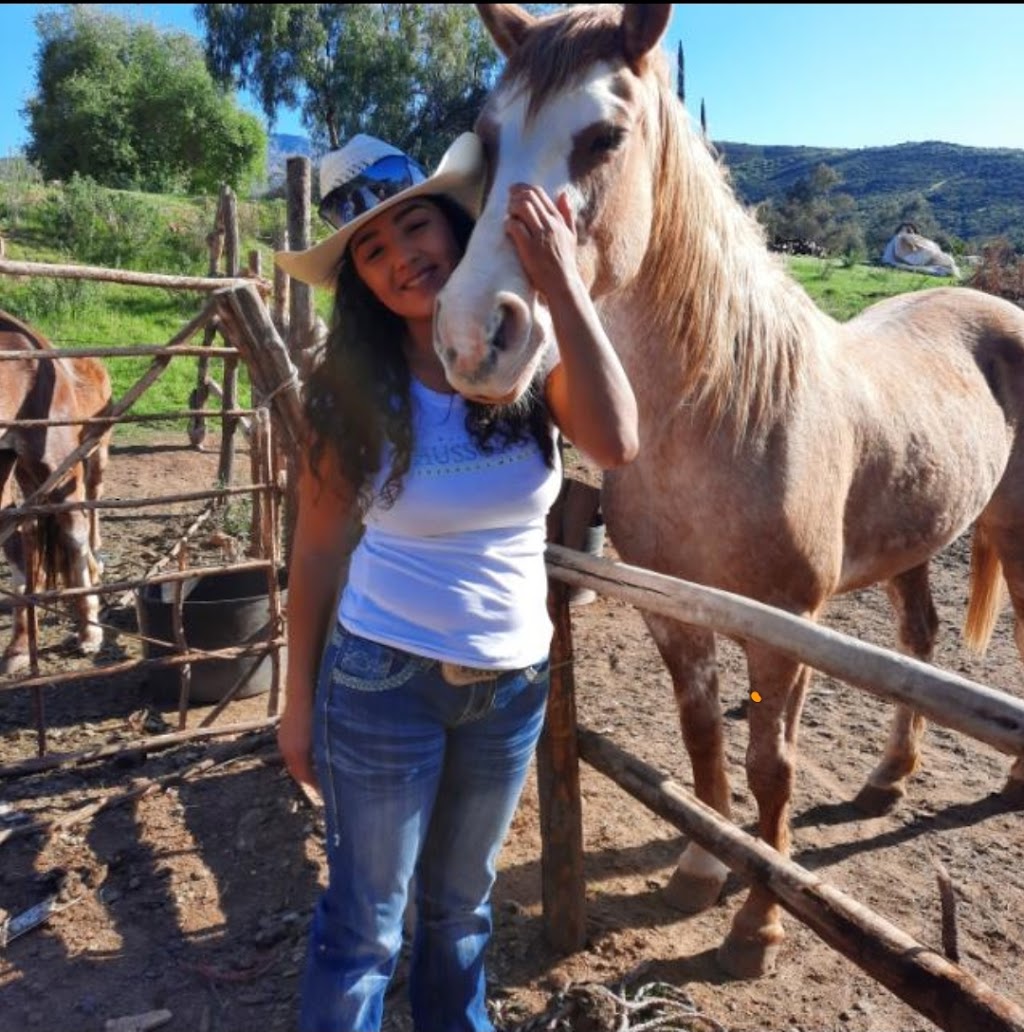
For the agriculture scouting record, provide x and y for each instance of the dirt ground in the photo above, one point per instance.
(195, 900)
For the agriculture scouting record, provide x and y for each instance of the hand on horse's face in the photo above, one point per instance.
(544, 236)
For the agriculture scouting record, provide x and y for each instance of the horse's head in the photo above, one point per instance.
(575, 112)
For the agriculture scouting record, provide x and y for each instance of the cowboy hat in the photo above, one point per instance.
(366, 177)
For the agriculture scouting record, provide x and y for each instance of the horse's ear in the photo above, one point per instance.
(643, 25)
(507, 24)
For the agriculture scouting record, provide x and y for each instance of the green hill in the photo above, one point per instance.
(975, 193)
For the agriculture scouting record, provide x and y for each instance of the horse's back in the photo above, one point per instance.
(19, 392)
(950, 341)
(961, 315)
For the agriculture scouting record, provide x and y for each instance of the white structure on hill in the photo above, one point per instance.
(909, 250)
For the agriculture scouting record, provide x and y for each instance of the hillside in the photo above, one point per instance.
(975, 193)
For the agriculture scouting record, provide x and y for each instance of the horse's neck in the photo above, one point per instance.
(711, 318)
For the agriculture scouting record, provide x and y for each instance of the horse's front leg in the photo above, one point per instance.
(95, 470)
(689, 655)
(15, 657)
(752, 945)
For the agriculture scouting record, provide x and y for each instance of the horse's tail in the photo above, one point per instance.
(986, 592)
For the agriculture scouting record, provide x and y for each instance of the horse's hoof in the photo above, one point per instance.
(692, 894)
(877, 801)
(90, 646)
(13, 664)
(748, 958)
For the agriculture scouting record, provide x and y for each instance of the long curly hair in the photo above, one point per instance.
(358, 396)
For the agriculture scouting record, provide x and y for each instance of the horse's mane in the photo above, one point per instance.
(742, 324)
(708, 282)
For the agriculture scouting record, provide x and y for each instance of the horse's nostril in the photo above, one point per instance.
(497, 328)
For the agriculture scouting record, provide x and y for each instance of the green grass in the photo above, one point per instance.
(75, 313)
(843, 290)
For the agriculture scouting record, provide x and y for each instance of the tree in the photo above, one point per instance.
(413, 74)
(813, 217)
(680, 74)
(131, 106)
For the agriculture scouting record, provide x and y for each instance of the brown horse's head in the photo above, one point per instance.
(575, 112)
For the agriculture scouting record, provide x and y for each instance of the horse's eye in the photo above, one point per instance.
(607, 140)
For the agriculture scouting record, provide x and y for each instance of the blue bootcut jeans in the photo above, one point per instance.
(419, 777)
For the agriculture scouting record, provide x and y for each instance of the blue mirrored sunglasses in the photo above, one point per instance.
(376, 183)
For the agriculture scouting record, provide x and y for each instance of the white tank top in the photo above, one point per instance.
(454, 570)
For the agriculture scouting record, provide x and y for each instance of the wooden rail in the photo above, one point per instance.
(981, 712)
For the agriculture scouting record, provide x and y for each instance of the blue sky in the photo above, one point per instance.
(831, 75)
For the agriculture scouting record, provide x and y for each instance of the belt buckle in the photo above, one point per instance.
(459, 675)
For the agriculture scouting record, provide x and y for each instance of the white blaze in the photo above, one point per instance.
(489, 288)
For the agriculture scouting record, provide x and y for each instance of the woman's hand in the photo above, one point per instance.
(587, 391)
(295, 740)
(543, 234)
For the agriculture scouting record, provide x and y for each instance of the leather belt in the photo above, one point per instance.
(459, 675)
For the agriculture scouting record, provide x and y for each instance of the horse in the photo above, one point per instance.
(783, 456)
(66, 545)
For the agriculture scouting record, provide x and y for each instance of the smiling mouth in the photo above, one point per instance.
(421, 277)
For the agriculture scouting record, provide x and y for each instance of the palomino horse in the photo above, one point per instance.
(783, 456)
(67, 543)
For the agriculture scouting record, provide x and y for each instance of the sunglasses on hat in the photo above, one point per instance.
(377, 183)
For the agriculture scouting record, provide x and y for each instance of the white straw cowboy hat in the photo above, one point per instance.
(368, 176)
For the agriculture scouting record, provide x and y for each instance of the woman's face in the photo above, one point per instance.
(405, 256)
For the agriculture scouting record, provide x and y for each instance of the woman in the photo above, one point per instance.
(429, 696)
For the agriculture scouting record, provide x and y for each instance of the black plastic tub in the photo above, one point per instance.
(219, 611)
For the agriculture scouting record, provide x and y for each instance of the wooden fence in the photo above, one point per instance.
(236, 312)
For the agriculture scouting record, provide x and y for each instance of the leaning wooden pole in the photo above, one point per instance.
(936, 987)
(981, 712)
(247, 324)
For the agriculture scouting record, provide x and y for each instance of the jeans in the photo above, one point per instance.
(419, 778)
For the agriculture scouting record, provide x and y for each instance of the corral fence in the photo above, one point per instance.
(269, 424)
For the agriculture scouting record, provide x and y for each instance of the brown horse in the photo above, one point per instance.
(64, 545)
(783, 456)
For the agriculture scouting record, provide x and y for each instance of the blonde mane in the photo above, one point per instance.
(710, 286)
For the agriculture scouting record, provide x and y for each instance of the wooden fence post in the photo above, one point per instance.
(563, 884)
(299, 180)
(300, 309)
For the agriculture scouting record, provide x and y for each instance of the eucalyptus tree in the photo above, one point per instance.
(413, 74)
